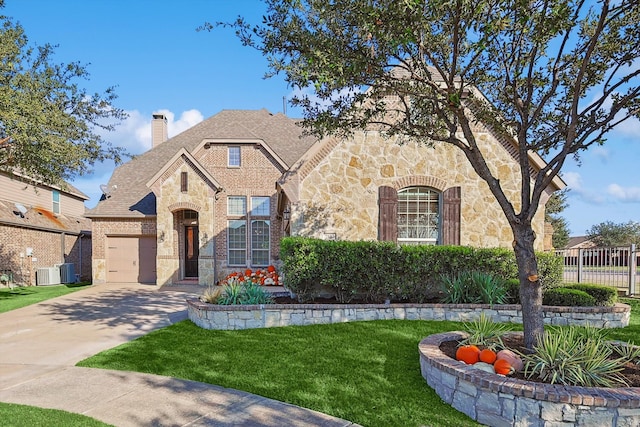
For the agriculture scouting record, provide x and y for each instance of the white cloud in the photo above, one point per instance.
(576, 185)
(134, 135)
(601, 153)
(573, 180)
(624, 194)
(630, 127)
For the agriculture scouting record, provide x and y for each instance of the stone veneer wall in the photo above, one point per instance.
(498, 401)
(339, 187)
(226, 317)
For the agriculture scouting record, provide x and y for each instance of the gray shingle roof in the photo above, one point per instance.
(129, 195)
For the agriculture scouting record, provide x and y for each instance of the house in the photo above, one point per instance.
(42, 226)
(219, 196)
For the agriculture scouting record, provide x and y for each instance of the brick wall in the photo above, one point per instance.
(49, 248)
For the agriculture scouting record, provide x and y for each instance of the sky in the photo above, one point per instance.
(151, 52)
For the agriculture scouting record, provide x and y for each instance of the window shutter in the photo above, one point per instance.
(184, 183)
(451, 216)
(388, 214)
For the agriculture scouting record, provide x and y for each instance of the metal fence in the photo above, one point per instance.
(613, 266)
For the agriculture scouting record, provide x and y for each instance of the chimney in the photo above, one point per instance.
(158, 129)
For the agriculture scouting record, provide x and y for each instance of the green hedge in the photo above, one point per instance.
(377, 271)
(568, 298)
(603, 295)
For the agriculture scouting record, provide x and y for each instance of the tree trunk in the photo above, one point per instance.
(530, 285)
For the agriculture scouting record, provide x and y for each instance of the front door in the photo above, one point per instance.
(191, 251)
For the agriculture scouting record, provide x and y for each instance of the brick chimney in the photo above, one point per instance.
(158, 129)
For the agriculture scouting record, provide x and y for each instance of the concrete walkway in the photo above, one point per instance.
(41, 343)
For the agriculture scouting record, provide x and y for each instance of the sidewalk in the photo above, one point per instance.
(40, 344)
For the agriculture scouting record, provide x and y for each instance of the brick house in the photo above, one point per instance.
(41, 226)
(219, 196)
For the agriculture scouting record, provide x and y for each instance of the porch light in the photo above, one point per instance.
(286, 215)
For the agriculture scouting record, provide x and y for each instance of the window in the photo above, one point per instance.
(250, 231)
(260, 206)
(236, 206)
(55, 198)
(418, 216)
(234, 157)
(184, 182)
(260, 242)
(237, 236)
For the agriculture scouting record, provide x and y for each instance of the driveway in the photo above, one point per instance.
(41, 343)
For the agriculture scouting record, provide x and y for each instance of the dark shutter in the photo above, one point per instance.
(451, 216)
(388, 214)
(184, 183)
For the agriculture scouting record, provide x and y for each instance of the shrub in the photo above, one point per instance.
(567, 298)
(513, 291)
(377, 271)
(474, 288)
(603, 295)
(484, 332)
(243, 293)
(550, 269)
(574, 356)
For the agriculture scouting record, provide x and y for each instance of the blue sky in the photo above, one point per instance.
(151, 51)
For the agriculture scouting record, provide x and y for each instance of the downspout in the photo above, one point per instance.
(62, 247)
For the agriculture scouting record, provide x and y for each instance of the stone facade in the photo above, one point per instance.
(339, 187)
(223, 317)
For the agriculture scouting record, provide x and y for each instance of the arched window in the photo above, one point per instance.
(418, 216)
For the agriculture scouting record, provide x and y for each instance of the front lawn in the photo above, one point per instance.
(22, 415)
(18, 297)
(365, 372)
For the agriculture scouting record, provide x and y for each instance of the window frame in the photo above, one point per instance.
(256, 220)
(55, 204)
(430, 214)
(234, 160)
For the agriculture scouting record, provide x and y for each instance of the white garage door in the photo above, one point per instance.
(131, 259)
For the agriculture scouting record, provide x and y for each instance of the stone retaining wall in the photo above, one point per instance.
(496, 400)
(223, 317)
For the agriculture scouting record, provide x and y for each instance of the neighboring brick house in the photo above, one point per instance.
(219, 196)
(41, 226)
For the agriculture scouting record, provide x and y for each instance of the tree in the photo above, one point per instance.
(555, 75)
(50, 128)
(610, 234)
(554, 207)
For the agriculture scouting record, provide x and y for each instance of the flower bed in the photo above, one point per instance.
(502, 401)
(263, 277)
(224, 317)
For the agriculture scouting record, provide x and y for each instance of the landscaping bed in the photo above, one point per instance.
(506, 401)
(631, 371)
(233, 317)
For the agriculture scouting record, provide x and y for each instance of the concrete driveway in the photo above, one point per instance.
(41, 343)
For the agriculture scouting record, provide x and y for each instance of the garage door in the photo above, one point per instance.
(131, 259)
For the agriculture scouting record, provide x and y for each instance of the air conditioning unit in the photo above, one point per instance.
(67, 272)
(48, 276)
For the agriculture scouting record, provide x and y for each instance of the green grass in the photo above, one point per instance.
(11, 299)
(22, 415)
(365, 372)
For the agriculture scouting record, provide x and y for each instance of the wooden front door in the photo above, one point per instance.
(191, 251)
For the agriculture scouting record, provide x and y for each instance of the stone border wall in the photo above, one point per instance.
(229, 317)
(498, 401)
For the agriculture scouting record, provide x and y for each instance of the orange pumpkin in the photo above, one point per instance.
(468, 354)
(514, 360)
(502, 367)
(488, 356)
